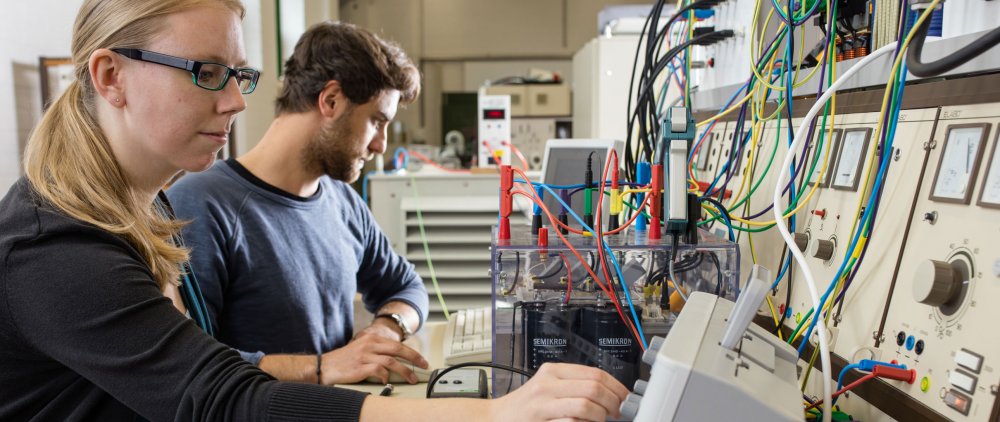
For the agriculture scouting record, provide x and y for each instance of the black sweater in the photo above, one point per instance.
(86, 334)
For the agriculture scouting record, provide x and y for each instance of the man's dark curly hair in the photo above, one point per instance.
(364, 64)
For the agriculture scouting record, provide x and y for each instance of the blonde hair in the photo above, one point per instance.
(68, 159)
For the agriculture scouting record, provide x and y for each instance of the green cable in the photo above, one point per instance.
(798, 327)
(427, 249)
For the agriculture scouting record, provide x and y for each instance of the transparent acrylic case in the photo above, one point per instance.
(547, 307)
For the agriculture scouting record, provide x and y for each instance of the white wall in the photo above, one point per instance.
(24, 40)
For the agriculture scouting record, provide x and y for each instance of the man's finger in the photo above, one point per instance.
(399, 350)
(398, 367)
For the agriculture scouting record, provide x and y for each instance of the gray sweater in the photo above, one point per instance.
(279, 272)
(86, 334)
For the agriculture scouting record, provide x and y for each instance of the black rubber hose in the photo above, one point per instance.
(956, 59)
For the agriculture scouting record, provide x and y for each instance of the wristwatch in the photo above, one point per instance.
(400, 322)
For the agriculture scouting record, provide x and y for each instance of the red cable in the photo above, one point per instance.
(645, 201)
(534, 197)
(424, 158)
(569, 276)
(612, 157)
(517, 152)
(615, 231)
(845, 389)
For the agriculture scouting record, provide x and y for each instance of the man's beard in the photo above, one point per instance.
(331, 152)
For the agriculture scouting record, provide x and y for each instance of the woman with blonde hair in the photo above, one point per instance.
(98, 317)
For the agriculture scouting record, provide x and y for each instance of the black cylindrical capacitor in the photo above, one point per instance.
(549, 330)
(617, 349)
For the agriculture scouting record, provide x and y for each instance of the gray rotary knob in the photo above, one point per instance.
(822, 249)
(630, 407)
(801, 240)
(936, 283)
(649, 356)
(640, 386)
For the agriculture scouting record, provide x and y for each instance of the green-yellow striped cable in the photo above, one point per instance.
(427, 248)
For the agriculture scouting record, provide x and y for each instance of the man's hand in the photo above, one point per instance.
(382, 327)
(370, 354)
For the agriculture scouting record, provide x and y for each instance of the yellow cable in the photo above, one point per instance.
(723, 113)
(774, 315)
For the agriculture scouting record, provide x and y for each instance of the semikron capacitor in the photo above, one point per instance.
(618, 352)
(550, 333)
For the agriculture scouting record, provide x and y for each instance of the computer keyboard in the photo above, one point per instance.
(468, 336)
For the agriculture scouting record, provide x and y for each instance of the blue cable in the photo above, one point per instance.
(840, 379)
(399, 166)
(614, 262)
(866, 365)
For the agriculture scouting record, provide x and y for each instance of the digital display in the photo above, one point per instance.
(493, 114)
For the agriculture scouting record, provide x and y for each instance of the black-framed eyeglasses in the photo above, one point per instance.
(207, 75)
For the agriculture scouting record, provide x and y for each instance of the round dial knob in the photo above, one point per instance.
(822, 249)
(649, 356)
(640, 386)
(936, 283)
(801, 241)
(630, 407)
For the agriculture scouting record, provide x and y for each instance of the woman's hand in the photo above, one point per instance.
(560, 391)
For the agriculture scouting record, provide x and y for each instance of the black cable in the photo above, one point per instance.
(434, 380)
(718, 205)
(950, 62)
(684, 265)
(629, 162)
(718, 273)
(557, 268)
(517, 268)
(513, 339)
(643, 105)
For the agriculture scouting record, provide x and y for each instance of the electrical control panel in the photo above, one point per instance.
(940, 318)
(908, 244)
(494, 130)
(830, 226)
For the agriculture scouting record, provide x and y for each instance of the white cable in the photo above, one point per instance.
(779, 218)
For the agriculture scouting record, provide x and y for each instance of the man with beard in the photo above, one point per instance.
(280, 243)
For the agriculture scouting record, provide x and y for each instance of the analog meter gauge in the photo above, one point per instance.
(989, 196)
(705, 150)
(959, 163)
(853, 147)
(827, 154)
